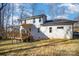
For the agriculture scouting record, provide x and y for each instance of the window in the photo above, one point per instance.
(29, 29)
(34, 20)
(50, 29)
(59, 27)
(39, 19)
(25, 21)
(38, 30)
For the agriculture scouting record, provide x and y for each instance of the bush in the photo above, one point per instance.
(0, 37)
(29, 39)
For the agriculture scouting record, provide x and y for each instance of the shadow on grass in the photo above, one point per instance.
(32, 47)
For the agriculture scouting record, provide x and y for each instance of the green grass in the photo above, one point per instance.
(50, 47)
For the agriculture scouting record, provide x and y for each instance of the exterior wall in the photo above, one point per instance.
(65, 33)
(30, 21)
(36, 34)
(34, 27)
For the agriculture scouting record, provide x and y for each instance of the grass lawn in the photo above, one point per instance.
(50, 47)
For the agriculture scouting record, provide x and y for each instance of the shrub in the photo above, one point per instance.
(0, 37)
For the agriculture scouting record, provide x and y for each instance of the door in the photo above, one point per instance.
(60, 32)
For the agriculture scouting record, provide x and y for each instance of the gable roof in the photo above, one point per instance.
(59, 22)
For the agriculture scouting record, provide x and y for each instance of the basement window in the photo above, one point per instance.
(59, 27)
(34, 20)
(29, 29)
(50, 29)
(38, 30)
(25, 21)
(39, 19)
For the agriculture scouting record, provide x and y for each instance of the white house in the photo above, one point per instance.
(41, 28)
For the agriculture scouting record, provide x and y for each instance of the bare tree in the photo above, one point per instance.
(12, 16)
(76, 25)
(42, 11)
(33, 8)
(62, 11)
(2, 6)
(53, 10)
(23, 12)
(7, 16)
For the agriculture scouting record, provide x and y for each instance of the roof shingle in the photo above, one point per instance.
(59, 22)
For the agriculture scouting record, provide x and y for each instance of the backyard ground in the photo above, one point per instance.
(50, 47)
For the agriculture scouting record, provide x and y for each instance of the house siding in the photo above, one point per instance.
(65, 33)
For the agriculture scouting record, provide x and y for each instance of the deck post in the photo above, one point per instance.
(21, 33)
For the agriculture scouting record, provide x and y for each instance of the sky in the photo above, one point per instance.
(71, 10)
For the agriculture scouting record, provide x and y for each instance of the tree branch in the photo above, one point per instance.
(3, 5)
